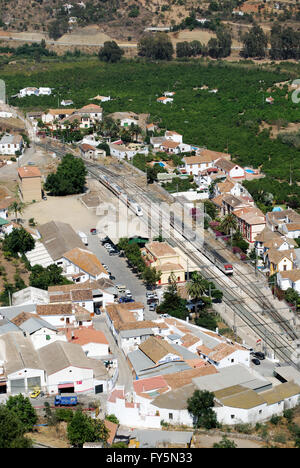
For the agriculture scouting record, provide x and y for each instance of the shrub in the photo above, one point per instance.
(243, 428)
(275, 420)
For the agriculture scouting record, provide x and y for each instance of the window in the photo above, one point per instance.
(260, 411)
(171, 416)
(232, 416)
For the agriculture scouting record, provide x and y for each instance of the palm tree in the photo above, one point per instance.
(196, 288)
(228, 224)
(16, 207)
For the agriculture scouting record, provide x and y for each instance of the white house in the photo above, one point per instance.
(94, 112)
(6, 114)
(224, 355)
(164, 100)
(30, 295)
(68, 369)
(28, 92)
(121, 151)
(81, 265)
(93, 342)
(66, 102)
(289, 279)
(238, 404)
(234, 171)
(10, 144)
(45, 91)
(20, 364)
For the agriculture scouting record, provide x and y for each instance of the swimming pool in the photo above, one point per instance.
(250, 171)
(161, 164)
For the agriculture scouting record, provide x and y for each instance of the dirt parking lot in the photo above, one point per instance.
(66, 209)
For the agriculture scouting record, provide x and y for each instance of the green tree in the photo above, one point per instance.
(42, 278)
(196, 288)
(18, 241)
(11, 430)
(82, 428)
(200, 405)
(157, 47)
(69, 178)
(22, 408)
(112, 418)
(110, 52)
(151, 276)
(255, 43)
(172, 303)
(228, 224)
(225, 443)
(16, 207)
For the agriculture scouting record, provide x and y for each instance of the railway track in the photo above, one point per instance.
(281, 346)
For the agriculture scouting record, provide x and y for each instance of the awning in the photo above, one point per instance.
(66, 385)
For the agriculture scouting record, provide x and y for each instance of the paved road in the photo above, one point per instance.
(125, 375)
(123, 274)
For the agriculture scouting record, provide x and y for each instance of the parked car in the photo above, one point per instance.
(121, 288)
(113, 252)
(35, 393)
(256, 361)
(152, 300)
(123, 300)
(112, 277)
(259, 355)
(93, 231)
(152, 307)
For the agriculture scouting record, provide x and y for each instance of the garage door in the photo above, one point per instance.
(99, 388)
(17, 386)
(33, 382)
(66, 388)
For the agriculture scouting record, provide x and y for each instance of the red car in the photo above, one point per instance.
(93, 231)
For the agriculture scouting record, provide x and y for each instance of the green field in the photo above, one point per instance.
(226, 121)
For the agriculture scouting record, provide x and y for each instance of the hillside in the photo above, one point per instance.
(119, 19)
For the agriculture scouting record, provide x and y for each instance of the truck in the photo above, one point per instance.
(66, 399)
(83, 237)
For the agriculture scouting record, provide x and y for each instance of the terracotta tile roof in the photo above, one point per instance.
(116, 394)
(146, 385)
(218, 200)
(112, 427)
(293, 226)
(189, 339)
(81, 313)
(54, 309)
(61, 111)
(275, 256)
(27, 172)
(84, 335)
(22, 317)
(60, 297)
(161, 249)
(86, 261)
(204, 350)
(6, 202)
(171, 267)
(81, 295)
(225, 165)
(180, 379)
(85, 147)
(170, 144)
(196, 363)
(156, 349)
(293, 275)
(91, 108)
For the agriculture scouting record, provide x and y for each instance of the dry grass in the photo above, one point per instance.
(53, 436)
